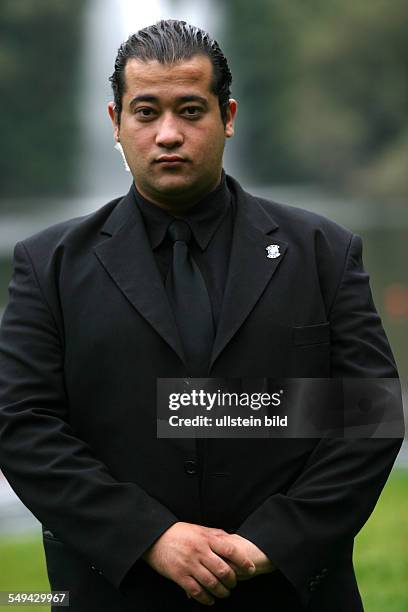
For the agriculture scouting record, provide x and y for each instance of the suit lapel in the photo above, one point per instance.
(127, 257)
(250, 270)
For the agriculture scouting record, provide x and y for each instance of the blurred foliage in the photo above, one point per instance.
(39, 47)
(385, 257)
(323, 86)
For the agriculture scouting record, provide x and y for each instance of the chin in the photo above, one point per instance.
(174, 185)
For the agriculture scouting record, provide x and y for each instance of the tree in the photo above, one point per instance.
(39, 61)
(326, 89)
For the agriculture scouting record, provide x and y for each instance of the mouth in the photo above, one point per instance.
(170, 160)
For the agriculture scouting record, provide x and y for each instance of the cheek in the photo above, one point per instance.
(136, 142)
(214, 148)
(134, 134)
(209, 140)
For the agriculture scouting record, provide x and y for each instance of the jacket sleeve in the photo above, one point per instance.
(306, 529)
(52, 471)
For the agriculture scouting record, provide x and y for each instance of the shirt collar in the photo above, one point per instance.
(203, 218)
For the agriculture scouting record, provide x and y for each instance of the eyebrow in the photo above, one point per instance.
(180, 99)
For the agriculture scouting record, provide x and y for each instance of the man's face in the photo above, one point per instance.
(171, 130)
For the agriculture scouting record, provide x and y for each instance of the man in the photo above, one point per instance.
(187, 275)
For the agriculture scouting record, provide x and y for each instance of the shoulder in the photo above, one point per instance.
(76, 232)
(294, 224)
(294, 220)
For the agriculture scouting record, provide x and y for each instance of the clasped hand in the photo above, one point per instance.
(205, 562)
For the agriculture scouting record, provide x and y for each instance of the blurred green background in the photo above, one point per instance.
(322, 124)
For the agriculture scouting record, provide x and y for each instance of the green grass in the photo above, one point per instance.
(381, 551)
(381, 555)
(22, 568)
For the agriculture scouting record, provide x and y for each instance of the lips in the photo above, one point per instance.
(170, 159)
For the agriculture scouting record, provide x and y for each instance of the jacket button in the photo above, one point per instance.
(190, 467)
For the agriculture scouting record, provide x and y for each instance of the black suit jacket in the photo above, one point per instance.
(87, 331)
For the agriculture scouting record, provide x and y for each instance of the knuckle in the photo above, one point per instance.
(196, 591)
(224, 572)
(211, 583)
(188, 585)
(228, 550)
(218, 532)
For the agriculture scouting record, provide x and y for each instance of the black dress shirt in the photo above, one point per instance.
(211, 221)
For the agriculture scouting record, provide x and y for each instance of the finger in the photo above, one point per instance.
(210, 582)
(224, 548)
(216, 532)
(195, 591)
(221, 569)
(239, 573)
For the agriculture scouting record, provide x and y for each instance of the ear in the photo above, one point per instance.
(231, 113)
(114, 118)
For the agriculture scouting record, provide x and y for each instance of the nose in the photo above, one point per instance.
(169, 134)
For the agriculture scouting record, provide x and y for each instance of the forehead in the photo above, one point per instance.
(152, 76)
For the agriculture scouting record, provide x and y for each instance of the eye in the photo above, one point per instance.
(145, 113)
(192, 112)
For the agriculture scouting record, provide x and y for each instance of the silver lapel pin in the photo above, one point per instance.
(272, 251)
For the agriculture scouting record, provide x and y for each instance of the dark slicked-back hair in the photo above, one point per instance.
(170, 41)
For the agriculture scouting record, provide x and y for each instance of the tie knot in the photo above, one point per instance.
(179, 230)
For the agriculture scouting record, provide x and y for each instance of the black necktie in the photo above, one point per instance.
(189, 297)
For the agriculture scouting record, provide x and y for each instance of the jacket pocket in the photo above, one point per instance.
(311, 334)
